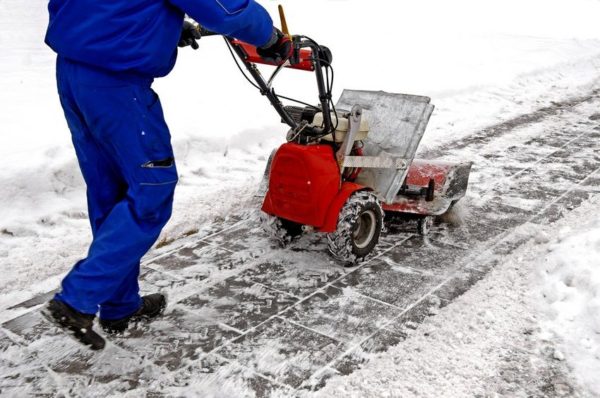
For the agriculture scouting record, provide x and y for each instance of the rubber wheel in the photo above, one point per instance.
(284, 231)
(291, 228)
(424, 225)
(358, 229)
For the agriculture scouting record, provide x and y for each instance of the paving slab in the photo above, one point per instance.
(242, 239)
(22, 375)
(282, 351)
(28, 327)
(177, 339)
(73, 367)
(342, 314)
(391, 282)
(198, 263)
(294, 276)
(214, 375)
(239, 303)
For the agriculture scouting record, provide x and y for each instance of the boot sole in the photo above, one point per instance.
(74, 333)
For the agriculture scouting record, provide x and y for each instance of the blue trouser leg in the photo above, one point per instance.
(125, 155)
(105, 187)
(126, 299)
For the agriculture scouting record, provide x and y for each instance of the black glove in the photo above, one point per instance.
(189, 34)
(278, 50)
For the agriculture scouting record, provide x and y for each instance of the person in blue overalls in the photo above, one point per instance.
(109, 52)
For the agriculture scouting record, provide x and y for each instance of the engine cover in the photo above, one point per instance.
(303, 183)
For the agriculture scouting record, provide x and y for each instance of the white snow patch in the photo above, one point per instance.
(570, 286)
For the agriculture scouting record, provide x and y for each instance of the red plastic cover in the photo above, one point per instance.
(303, 183)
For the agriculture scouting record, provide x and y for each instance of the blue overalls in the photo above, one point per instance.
(108, 56)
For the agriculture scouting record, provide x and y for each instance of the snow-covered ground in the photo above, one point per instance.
(570, 285)
(481, 62)
(496, 337)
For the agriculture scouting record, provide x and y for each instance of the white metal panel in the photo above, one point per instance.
(397, 124)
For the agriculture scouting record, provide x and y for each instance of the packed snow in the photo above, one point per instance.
(570, 276)
(481, 62)
(499, 336)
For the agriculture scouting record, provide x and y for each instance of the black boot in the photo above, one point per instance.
(77, 323)
(153, 305)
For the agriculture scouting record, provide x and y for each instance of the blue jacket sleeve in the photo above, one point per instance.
(243, 19)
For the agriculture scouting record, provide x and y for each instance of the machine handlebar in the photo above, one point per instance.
(302, 58)
(307, 55)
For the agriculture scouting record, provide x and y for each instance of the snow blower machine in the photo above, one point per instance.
(345, 164)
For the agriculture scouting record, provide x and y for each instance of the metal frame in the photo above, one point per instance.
(299, 43)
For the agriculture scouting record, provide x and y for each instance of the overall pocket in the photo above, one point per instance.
(159, 165)
(154, 130)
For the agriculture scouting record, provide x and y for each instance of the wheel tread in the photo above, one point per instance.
(340, 242)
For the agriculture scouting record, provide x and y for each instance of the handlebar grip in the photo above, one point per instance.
(205, 32)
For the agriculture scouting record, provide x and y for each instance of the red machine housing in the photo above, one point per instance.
(450, 180)
(421, 172)
(305, 186)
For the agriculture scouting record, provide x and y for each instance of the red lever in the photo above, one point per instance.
(304, 63)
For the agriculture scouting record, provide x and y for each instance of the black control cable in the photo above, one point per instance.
(237, 63)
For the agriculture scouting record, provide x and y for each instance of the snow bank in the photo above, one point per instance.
(570, 274)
